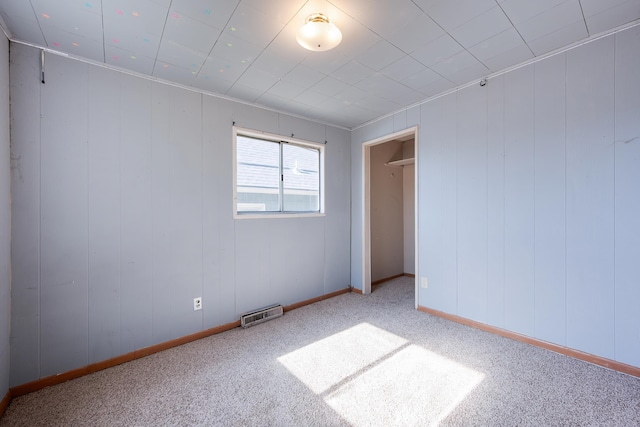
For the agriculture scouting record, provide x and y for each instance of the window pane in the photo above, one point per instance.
(258, 175)
(301, 170)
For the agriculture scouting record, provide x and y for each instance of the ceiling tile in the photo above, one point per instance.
(285, 44)
(304, 76)
(437, 87)
(451, 14)
(437, 50)
(189, 33)
(355, 37)
(27, 30)
(355, 113)
(403, 68)
(352, 72)
(73, 9)
(330, 86)
(285, 89)
(509, 58)
(380, 55)
(235, 50)
(521, 10)
(409, 98)
(74, 20)
(16, 9)
(172, 73)
(281, 10)
(551, 20)
(311, 98)
(136, 16)
(181, 56)
(563, 37)
(244, 92)
(219, 68)
(332, 104)
(481, 27)
(593, 7)
(465, 75)
(253, 26)
(382, 17)
(134, 41)
(215, 13)
(378, 104)
(613, 17)
(420, 30)
(129, 60)
(75, 45)
(500, 43)
(257, 79)
(163, 3)
(279, 103)
(454, 64)
(212, 84)
(422, 79)
(351, 95)
(383, 86)
(325, 62)
(273, 63)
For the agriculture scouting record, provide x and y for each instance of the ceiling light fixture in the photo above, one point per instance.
(319, 34)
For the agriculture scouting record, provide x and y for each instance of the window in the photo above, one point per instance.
(277, 175)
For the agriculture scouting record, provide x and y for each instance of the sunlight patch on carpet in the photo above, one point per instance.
(371, 376)
(327, 362)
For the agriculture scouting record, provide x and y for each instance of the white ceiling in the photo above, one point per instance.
(394, 53)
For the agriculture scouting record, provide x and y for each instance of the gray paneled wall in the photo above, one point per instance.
(529, 199)
(123, 204)
(5, 217)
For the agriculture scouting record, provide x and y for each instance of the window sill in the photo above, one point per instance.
(252, 215)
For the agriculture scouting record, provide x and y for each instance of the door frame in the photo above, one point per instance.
(366, 210)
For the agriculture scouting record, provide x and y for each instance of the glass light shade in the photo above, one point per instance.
(318, 34)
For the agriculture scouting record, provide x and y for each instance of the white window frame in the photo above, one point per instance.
(279, 139)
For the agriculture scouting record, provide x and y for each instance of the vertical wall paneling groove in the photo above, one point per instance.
(211, 289)
(550, 196)
(25, 194)
(64, 222)
(357, 207)
(186, 231)
(5, 221)
(519, 201)
(103, 174)
(471, 225)
(228, 112)
(338, 210)
(429, 209)
(590, 198)
(136, 210)
(627, 196)
(495, 202)
(449, 205)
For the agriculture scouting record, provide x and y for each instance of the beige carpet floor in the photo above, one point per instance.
(351, 360)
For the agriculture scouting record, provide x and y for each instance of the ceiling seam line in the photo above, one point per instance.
(517, 31)
(164, 27)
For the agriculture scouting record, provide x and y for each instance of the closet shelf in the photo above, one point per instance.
(401, 162)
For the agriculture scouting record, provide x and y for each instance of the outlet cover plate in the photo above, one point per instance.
(197, 303)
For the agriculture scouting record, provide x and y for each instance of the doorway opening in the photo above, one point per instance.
(390, 244)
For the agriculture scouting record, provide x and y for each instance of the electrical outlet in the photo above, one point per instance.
(197, 303)
(424, 282)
